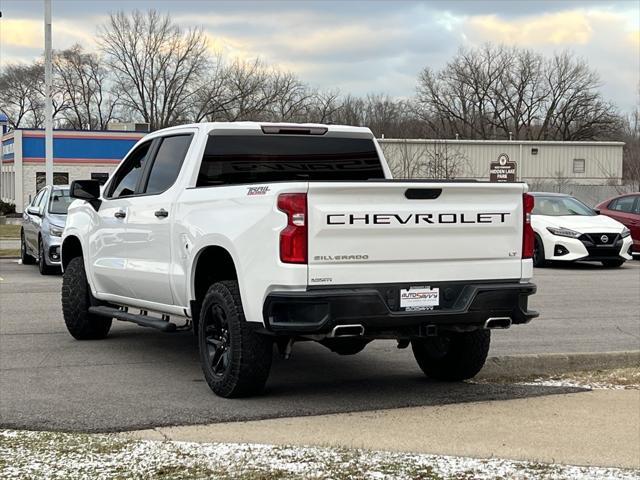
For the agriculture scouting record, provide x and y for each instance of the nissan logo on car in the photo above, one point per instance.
(604, 239)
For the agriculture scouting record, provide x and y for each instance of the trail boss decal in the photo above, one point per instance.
(414, 218)
(257, 190)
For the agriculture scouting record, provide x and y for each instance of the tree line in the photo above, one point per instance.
(149, 69)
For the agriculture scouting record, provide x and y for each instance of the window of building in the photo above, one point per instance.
(100, 176)
(534, 151)
(59, 178)
(578, 165)
(167, 163)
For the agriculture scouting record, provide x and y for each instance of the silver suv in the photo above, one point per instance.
(43, 223)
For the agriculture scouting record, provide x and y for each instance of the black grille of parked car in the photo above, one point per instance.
(599, 238)
(602, 244)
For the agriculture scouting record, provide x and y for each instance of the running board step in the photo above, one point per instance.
(141, 320)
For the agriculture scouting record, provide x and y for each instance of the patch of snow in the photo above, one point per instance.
(45, 455)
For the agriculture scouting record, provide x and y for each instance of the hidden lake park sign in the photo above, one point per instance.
(503, 169)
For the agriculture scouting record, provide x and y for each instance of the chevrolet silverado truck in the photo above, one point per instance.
(255, 235)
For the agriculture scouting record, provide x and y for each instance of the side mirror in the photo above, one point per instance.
(33, 211)
(597, 210)
(88, 190)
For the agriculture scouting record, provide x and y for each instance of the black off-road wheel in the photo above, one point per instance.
(235, 359)
(539, 259)
(613, 263)
(453, 356)
(24, 256)
(42, 262)
(76, 300)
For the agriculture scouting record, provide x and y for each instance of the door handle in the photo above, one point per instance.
(162, 213)
(120, 214)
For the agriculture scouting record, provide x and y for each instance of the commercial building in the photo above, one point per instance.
(538, 163)
(77, 154)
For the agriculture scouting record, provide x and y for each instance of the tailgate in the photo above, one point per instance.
(397, 232)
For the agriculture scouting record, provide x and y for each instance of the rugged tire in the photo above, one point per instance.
(42, 262)
(612, 263)
(76, 300)
(454, 357)
(24, 256)
(248, 355)
(539, 259)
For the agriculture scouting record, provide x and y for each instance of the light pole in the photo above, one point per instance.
(48, 105)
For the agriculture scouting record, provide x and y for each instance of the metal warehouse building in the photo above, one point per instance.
(578, 163)
(77, 154)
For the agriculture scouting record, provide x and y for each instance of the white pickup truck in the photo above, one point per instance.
(260, 234)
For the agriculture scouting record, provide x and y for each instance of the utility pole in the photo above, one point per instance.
(48, 105)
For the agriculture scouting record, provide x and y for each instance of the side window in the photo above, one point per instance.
(125, 181)
(637, 207)
(623, 204)
(167, 163)
(42, 200)
(37, 198)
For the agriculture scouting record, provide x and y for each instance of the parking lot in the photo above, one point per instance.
(141, 378)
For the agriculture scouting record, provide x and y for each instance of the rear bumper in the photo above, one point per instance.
(464, 306)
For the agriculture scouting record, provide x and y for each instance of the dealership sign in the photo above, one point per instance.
(503, 170)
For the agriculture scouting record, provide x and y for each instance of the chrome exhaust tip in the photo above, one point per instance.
(495, 323)
(347, 331)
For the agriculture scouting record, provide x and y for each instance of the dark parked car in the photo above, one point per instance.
(626, 210)
(42, 226)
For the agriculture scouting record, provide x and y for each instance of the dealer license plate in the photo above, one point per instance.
(419, 298)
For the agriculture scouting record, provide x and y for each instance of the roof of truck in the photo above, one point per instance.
(259, 125)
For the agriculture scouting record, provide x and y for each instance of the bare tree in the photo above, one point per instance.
(496, 92)
(435, 160)
(22, 98)
(85, 84)
(631, 156)
(325, 106)
(18, 84)
(156, 64)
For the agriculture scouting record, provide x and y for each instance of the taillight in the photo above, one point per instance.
(528, 237)
(293, 239)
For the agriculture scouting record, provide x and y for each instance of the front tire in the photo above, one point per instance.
(24, 256)
(235, 359)
(76, 300)
(538, 253)
(454, 356)
(613, 263)
(44, 268)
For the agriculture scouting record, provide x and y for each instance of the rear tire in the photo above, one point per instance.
(24, 256)
(454, 356)
(613, 263)
(76, 300)
(539, 259)
(235, 359)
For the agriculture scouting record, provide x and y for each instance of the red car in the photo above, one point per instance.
(625, 209)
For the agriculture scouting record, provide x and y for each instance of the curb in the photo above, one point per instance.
(553, 363)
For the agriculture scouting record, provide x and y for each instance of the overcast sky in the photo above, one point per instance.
(363, 46)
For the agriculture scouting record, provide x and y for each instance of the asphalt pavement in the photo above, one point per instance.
(140, 378)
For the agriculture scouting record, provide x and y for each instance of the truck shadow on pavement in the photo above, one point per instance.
(141, 379)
